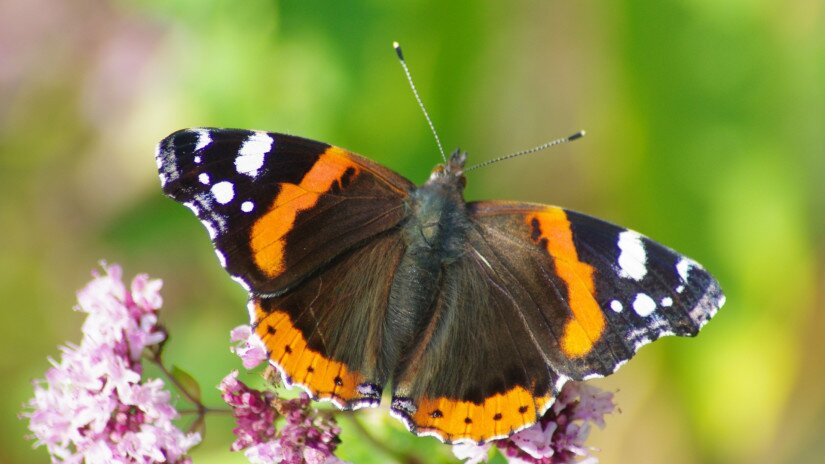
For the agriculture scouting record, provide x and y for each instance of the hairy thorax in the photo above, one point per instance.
(439, 220)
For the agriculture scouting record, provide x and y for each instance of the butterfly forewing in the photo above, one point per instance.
(617, 289)
(278, 207)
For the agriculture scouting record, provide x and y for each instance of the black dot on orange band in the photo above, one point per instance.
(270, 330)
(310, 369)
(535, 234)
(497, 416)
(287, 349)
(436, 414)
(339, 381)
(467, 420)
(522, 409)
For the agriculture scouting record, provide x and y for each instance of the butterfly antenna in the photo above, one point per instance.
(543, 146)
(397, 48)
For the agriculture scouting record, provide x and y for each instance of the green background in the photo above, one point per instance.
(706, 131)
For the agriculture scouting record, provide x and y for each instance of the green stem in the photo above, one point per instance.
(398, 456)
(159, 362)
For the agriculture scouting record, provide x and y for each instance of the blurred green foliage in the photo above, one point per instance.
(706, 131)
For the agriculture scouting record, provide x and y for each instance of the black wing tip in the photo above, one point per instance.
(176, 152)
(708, 305)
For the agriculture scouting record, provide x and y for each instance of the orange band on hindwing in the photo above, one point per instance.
(552, 229)
(497, 416)
(267, 237)
(287, 345)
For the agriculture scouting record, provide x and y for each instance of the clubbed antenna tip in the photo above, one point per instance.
(398, 52)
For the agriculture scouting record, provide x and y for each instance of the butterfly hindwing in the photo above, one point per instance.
(278, 207)
(325, 333)
(478, 373)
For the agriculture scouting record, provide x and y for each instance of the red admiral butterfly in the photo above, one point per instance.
(477, 313)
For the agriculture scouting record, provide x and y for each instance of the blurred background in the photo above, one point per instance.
(706, 131)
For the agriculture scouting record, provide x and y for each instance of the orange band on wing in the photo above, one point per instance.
(287, 346)
(267, 235)
(587, 324)
(498, 416)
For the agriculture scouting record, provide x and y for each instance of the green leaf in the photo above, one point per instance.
(187, 382)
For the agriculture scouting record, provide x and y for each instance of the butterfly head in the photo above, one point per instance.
(452, 171)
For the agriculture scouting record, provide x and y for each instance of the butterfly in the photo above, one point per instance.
(475, 313)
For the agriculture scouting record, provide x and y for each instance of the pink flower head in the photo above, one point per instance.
(306, 436)
(92, 404)
(248, 346)
(471, 453)
(559, 436)
(253, 410)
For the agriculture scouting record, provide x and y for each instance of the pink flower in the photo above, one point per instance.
(306, 436)
(471, 453)
(253, 411)
(559, 437)
(92, 404)
(248, 346)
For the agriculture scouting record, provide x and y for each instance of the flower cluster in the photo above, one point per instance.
(306, 436)
(92, 405)
(558, 438)
(95, 406)
(253, 412)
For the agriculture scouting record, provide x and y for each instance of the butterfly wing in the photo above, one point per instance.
(540, 296)
(278, 207)
(290, 219)
(620, 289)
(325, 334)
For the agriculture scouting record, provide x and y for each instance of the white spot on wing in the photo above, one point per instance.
(203, 140)
(667, 301)
(683, 267)
(197, 160)
(251, 155)
(644, 305)
(203, 178)
(247, 206)
(616, 305)
(680, 289)
(632, 260)
(224, 192)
